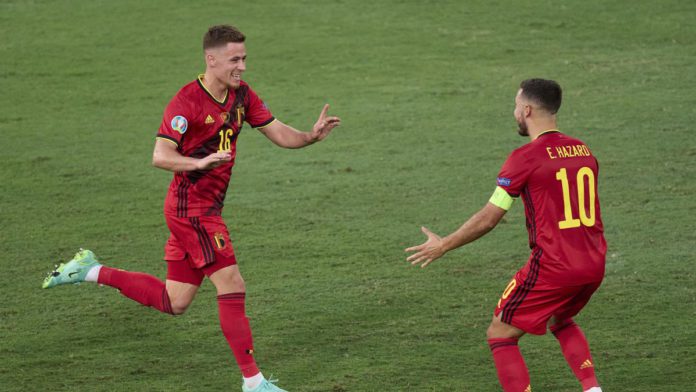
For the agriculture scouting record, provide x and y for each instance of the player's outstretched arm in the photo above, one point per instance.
(166, 156)
(435, 246)
(286, 136)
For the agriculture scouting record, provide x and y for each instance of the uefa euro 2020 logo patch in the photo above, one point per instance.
(179, 124)
(502, 181)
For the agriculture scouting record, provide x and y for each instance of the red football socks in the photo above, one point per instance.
(140, 287)
(235, 327)
(576, 352)
(512, 371)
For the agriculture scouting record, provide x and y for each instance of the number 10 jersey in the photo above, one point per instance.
(556, 175)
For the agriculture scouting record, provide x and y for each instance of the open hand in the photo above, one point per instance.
(427, 252)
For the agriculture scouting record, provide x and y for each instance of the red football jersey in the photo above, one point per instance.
(200, 125)
(557, 178)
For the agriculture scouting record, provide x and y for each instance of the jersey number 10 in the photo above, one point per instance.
(587, 218)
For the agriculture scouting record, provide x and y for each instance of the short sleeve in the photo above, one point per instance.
(175, 121)
(514, 174)
(257, 113)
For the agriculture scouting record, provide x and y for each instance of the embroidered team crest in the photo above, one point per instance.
(220, 240)
(179, 124)
(224, 116)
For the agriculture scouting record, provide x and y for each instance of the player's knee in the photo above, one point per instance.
(500, 330)
(235, 285)
(228, 281)
(177, 311)
(179, 306)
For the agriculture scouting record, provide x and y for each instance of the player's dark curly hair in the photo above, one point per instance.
(546, 93)
(221, 35)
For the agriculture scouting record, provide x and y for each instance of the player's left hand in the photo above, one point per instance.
(428, 251)
(324, 125)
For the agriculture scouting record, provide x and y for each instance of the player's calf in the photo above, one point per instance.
(576, 351)
(140, 287)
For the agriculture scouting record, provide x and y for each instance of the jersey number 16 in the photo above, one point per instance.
(587, 218)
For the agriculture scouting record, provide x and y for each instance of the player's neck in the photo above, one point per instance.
(535, 130)
(216, 88)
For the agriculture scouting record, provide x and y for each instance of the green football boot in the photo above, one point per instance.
(74, 271)
(265, 386)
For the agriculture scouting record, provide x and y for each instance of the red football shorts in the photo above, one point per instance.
(197, 247)
(529, 306)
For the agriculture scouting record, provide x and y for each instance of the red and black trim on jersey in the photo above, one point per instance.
(204, 240)
(182, 197)
(516, 300)
(531, 217)
(535, 265)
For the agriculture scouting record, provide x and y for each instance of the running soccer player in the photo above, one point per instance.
(556, 175)
(197, 140)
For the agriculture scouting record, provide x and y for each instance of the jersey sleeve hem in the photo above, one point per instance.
(501, 198)
(263, 124)
(167, 138)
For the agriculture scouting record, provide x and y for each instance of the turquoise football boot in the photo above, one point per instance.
(265, 386)
(74, 271)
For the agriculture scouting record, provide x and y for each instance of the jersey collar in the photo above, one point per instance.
(202, 85)
(547, 131)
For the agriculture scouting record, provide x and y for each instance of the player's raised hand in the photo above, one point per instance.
(428, 251)
(214, 160)
(324, 125)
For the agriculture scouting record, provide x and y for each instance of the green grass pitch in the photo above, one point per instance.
(425, 90)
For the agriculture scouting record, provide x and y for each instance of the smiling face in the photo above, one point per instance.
(227, 63)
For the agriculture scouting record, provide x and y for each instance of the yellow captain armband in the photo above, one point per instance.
(501, 199)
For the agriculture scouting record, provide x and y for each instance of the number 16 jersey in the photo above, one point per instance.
(199, 125)
(556, 175)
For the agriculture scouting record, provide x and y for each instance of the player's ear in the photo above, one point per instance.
(527, 110)
(210, 59)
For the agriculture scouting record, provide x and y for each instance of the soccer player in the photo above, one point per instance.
(197, 140)
(556, 175)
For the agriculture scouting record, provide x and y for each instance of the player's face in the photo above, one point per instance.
(228, 63)
(520, 113)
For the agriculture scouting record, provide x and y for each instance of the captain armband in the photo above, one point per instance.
(501, 198)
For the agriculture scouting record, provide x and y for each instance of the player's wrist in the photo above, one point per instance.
(197, 164)
(310, 138)
(445, 245)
